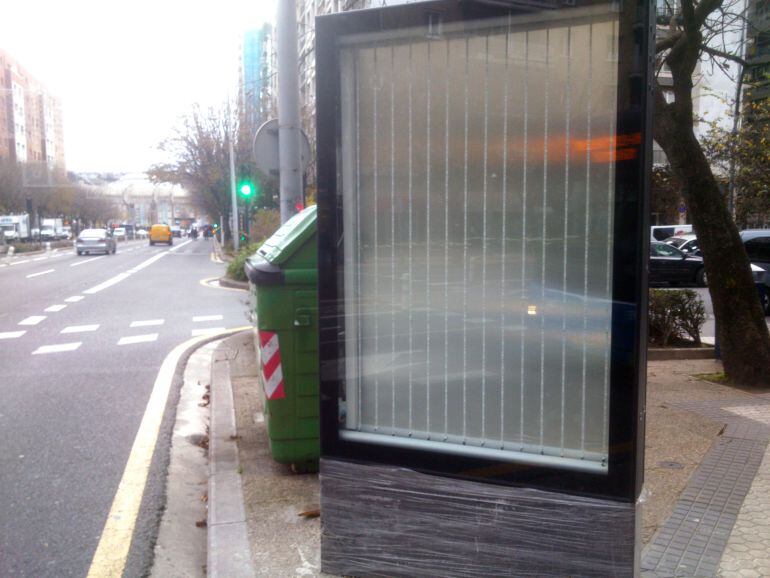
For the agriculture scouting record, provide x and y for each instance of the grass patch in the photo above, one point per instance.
(720, 378)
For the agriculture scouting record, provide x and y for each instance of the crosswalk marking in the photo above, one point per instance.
(57, 348)
(147, 323)
(32, 320)
(199, 318)
(54, 308)
(80, 328)
(138, 339)
(11, 334)
(206, 331)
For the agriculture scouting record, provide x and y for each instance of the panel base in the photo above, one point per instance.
(389, 521)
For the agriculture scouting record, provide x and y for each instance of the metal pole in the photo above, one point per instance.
(731, 196)
(234, 228)
(288, 109)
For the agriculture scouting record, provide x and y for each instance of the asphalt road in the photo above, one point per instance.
(81, 342)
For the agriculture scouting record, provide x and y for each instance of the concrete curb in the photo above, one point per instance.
(229, 552)
(233, 284)
(666, 353)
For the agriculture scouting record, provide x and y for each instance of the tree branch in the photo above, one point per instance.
(721, 54)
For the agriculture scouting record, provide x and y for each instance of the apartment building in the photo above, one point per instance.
(758, 50)
(31, 129)
(257, 78)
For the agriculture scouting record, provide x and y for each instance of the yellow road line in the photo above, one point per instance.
(112, 551)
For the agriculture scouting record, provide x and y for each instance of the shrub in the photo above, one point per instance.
(235, 268)
(675, 315)
(264, 223)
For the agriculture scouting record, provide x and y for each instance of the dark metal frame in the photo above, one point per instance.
(631, 247)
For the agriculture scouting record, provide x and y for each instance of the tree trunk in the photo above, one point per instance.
(740, 322)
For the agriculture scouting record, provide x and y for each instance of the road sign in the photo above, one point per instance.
(265, 148)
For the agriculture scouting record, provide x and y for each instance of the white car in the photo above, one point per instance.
(119, 233)
(141, 233)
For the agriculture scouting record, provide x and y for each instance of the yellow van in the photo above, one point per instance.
(161, 234)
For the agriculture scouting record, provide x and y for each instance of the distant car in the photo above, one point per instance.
(670, 265)
(685, 243)
(95, 241)
(141, 233)
(176, 231)
(161, 234)
(119, 233)
(47, 234)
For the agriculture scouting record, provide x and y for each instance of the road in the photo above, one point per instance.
(81, 343)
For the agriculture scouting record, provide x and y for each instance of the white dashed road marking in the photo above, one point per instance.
(147, 323)
(197, 332)
(87, 261)
(80, 328)
(33, 320)
(138, 339)
(11, 334)
(57, 348)
(54, 308)
(40, 259)
(74, 299)
(207, 318)
(41, 273)
(20, 262)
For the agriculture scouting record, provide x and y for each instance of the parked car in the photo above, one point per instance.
(685, 243)
(95, 241)
(119, 233)
(48, 235)
(661, 232)
(670, 265)
(161, 234)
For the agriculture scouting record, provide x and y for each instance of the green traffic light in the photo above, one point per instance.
(246, 189)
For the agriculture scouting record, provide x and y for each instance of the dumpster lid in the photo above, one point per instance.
(290, 237)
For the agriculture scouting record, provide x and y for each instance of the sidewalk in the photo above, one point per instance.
(706, 510)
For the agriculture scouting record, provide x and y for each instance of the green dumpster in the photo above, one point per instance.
(284, 286)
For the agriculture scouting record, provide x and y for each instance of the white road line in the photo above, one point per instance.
(57, 348)
(206, 331)
(87, 261)
(20, 262)
(11, 334)
(180, 245)
(33, 320)
(147, 323)
(199, 318)
(138, 339)
(80, 328)
(74, 299)
(108, 283)
(40, 259)
(41, 273)
(54, 308)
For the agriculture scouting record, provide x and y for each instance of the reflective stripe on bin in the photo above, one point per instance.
(272, 373)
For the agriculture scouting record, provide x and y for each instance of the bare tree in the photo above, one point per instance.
(201, 152)
(698, 30)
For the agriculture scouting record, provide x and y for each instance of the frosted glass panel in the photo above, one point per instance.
(477, 183)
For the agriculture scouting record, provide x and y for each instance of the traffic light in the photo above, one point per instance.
(246, 189)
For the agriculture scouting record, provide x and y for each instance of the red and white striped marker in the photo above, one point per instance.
(272, 373)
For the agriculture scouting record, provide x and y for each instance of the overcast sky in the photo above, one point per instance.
(126, 71)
